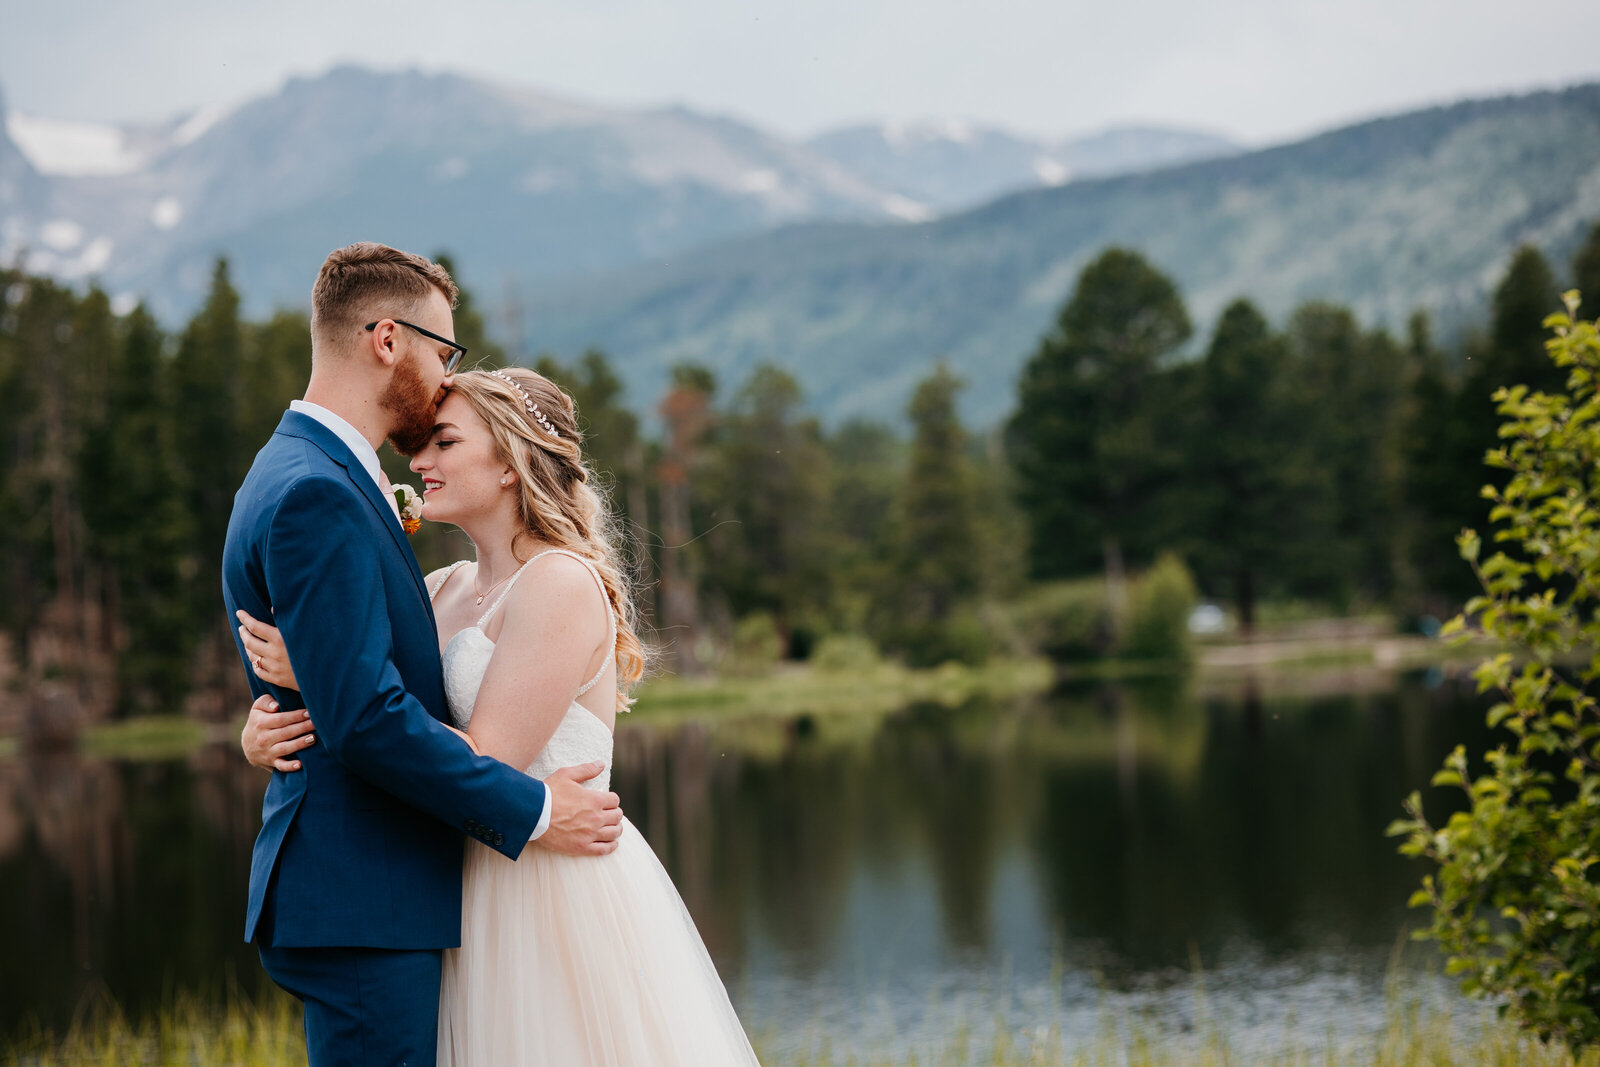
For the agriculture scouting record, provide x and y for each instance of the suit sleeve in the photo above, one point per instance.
(322, 573)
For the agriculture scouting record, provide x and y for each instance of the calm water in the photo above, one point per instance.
(872, 880)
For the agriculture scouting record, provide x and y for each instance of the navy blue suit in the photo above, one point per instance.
(358, 864)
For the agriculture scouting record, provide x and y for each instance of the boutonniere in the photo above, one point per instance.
(410, 505)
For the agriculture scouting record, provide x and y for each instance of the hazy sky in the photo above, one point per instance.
(1259, 70)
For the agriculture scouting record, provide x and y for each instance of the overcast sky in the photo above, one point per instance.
(1259, 70)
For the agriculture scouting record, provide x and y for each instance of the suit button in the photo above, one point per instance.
(499, 838)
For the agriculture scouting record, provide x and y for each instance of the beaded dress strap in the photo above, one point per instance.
(448, 571)
(501, 599)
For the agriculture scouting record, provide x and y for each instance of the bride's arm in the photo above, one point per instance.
(554, 623)
(270, 736)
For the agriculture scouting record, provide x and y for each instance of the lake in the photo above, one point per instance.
(1183, 857)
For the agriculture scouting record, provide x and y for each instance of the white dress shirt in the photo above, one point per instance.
(368, 457)
(360, 446)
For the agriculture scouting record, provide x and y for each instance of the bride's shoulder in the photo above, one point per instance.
(555, 581)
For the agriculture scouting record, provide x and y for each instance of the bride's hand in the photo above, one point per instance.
(272, 737)
(268, 656)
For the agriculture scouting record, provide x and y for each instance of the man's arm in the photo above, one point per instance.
(328, 598)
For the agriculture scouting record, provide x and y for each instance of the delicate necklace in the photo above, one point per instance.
(489, 590)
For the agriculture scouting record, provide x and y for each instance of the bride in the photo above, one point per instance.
(564, 960)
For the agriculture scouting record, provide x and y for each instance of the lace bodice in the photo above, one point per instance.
(579, 738)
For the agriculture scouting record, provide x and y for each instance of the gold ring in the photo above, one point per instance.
(258, 661)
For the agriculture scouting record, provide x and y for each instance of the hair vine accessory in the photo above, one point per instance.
(527, 402)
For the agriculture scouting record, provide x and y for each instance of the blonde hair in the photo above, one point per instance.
(557, 503)
(371, 279)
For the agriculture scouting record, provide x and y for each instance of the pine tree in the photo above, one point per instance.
(688, 419)
(1349, 388)
(1442, 469)
(1516, 353)
(1586, 270)
(138, 523)
(275, 370)
(765, 495)
(206, 375)
(1240, 478)
(867, 464)
(939, 561)
(1085, 452)
(471, 330)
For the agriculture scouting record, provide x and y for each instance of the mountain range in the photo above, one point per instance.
(521, 187)
(1416, 211)
(952, 164)
(855, 259)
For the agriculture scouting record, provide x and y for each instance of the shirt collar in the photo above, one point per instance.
(359, 446)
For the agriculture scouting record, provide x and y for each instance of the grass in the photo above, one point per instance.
(268, 1034)
(870, 689)
(882, 687)
(147, 737)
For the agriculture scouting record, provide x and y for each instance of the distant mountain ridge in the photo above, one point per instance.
(953, 165)
(522, 187)
(1415, 211)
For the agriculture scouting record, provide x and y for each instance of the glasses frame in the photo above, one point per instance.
(457, 352)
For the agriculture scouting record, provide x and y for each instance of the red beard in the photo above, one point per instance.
(407, 398)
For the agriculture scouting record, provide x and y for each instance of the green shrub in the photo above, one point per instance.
(845, 653)
(1158, 623)
(1068, 622)
(1514, 898)
(757, 646)
(962, 638)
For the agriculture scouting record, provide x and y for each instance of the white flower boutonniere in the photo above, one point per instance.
(410, 505)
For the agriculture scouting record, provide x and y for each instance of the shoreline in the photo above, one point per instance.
(1322, 658)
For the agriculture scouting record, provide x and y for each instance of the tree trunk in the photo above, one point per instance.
(1244, 585)
(1116, 591)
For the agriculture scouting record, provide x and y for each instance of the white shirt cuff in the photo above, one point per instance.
(544, 818)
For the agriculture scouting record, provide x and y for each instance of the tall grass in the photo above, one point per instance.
(268, 1034)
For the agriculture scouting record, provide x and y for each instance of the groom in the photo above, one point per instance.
(355, 882)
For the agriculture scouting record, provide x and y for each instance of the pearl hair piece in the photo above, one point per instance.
(527, 402)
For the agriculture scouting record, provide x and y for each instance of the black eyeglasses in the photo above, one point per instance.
(457, 352)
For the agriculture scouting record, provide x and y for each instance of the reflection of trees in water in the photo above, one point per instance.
(1275, 839)
(1137, 819)
(60, 869)
(1145, 819)
(123, 874)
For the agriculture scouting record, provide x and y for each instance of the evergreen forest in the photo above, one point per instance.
(1320, 461)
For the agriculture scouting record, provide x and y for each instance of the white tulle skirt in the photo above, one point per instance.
(581, 962)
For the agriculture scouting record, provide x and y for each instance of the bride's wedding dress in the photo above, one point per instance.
(574, 961)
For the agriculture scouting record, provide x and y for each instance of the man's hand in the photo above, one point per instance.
(583, 822)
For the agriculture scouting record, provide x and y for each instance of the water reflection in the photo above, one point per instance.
(1114, 832)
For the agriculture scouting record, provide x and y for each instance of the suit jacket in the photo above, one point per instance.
(362, 847)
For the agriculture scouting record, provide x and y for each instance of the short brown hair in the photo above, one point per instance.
(369, 279)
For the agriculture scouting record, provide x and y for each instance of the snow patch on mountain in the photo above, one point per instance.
(907, 209)
(75, 149)
(1051, 171)
(199, 124)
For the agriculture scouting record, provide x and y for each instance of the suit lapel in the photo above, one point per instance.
(295, 424)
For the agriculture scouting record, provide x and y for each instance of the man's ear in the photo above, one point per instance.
(385, 343)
